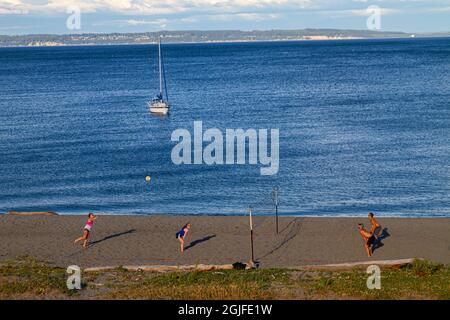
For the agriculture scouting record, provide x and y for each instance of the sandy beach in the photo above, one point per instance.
(150, 240)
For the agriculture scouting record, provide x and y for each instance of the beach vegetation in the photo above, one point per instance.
(28, 278)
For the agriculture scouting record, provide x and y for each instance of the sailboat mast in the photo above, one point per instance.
(160, 67)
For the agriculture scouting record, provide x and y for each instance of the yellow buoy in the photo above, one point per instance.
(148, 178)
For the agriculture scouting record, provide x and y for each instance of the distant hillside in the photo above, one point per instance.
(196, 36)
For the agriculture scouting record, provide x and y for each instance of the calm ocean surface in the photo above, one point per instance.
(364, 125)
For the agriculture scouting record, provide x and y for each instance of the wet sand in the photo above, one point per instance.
(150, 240)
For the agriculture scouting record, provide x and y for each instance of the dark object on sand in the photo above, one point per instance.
(34, 213)
(239, 266)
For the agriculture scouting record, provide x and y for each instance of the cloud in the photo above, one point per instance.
(441, 9)
(163, 23)
(366, 12)
(155, 7)
(90, 6)
(138, 7)
(160, 23)
(165, 7)
(12, 7)
(202, 13)
(189, 20)
(243, 16)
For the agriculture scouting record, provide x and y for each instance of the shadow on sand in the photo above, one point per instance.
(378, 244)
(111, 237)
(198, 241)
(294, 229)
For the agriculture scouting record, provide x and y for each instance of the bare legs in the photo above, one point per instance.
(368, 249)
(84, 237)
(365, 235)
(181, 243)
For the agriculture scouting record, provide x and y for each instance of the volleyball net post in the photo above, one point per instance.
(250, 211)
(275, 195)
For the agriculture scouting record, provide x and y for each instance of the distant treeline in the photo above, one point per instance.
(194, 36)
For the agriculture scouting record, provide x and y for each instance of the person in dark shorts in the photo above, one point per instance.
(376, 226)
(369, 239)
(182, 234)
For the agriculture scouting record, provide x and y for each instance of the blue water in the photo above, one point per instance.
(364, 125)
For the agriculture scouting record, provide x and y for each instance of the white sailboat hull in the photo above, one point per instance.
(159, 107)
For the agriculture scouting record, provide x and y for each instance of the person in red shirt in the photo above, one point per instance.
(87, 230)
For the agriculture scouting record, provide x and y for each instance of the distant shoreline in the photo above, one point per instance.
(223, 42)
(210, 42)
(188, 42)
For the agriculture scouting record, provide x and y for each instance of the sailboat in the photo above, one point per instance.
(160, 104)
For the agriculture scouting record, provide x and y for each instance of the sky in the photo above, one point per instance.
(107, 16)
